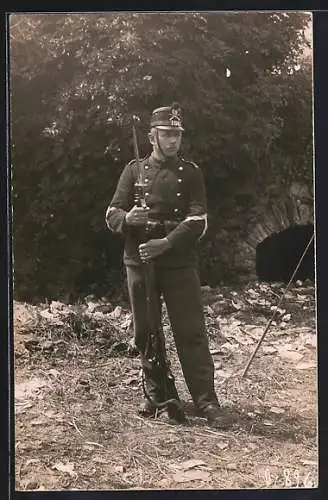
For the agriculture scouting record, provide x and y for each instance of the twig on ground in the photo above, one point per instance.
(143, 420)
(278, 383)
(95, 444)
(20, 470)
(75, 426)
(248, 333)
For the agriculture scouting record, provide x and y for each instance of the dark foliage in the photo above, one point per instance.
(76, 80)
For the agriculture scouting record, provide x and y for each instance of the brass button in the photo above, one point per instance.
(178, 194)
(146, 180)
(179, 180)
(146, 194)
(176, 210)
(146, 167)
(180, 168)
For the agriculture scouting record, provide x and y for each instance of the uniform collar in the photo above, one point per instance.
(154, 162)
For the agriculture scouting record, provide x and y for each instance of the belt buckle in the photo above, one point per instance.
(152, 224)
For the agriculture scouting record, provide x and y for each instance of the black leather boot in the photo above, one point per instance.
(216, 416)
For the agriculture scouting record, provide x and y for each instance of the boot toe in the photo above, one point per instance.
(217, 417)
(146, 409)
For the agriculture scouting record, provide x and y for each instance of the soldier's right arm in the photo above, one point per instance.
(122, 201)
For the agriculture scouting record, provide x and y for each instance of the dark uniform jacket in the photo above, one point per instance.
(175, 194)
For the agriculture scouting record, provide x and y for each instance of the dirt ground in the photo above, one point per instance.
(77, 387)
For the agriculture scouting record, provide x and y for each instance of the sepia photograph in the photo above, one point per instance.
(163, 248)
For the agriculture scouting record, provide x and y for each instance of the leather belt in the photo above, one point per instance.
(161, 227)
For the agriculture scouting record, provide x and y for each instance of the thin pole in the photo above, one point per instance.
(275, 311)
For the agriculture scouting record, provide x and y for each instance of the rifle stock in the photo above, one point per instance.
(156, 351)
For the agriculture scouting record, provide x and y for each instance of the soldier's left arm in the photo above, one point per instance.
(194, 226)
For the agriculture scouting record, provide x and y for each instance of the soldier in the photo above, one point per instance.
(176, 205)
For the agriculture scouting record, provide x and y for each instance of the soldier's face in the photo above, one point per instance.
(169, 141)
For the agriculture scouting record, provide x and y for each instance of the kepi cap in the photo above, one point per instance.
(167, 118)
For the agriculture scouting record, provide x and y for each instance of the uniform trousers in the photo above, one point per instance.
(181, 291)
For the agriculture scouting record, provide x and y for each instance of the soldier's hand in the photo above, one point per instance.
(153, 248)
(137, 216)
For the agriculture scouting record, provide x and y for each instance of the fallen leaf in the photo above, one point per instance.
(22, 407)
(231, 466)
(306, 365)
(227, 346)
(91, 307)
(268, 349)
(126, 323)
(223, 445)
(163, 483)
(119, 468)
(56, 304)
(309, 462)
(281, 332)
(52, 318)
(243, 340)
(235, 322)
(118, 347)
(223, 373)
(308, 340)
(278, 411)
(131, 381)
(237, 304)
(191, 475)
(31, 344)
(215, 351)
(190, 464)
(286, 317)
(39, 421)
(100, 460)
(32, 461)
(116, 313)
(31, 484)
(92, 443)
(68, 468)
(290, 355)
(50, 414)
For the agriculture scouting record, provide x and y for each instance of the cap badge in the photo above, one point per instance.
(174, 118)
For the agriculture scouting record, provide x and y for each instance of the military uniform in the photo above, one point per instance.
(175, 195)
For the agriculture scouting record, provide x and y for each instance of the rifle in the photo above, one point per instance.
(155, 351)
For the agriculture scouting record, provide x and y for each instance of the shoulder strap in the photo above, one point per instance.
(142, 161)
(190, 163)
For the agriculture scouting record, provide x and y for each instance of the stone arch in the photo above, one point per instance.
(295, 208)
(279, 254)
